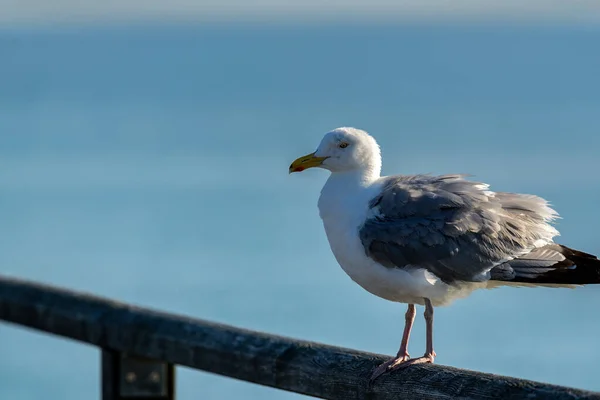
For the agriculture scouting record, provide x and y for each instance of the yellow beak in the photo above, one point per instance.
(305, 162)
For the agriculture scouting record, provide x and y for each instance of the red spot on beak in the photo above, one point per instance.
(299, 169)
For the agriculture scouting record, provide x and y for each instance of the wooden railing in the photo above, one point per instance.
(140, 348)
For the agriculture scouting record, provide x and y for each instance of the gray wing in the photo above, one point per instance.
(455, 228)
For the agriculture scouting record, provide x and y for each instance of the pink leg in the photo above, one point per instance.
(409, 319)
(429, 353)
(402, 355)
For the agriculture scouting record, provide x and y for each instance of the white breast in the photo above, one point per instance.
(343, 207)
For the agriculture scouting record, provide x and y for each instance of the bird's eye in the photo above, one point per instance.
(343, 145)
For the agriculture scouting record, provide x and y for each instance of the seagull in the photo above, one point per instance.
(429, 240)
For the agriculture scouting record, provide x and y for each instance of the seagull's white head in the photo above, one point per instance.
(343, 150)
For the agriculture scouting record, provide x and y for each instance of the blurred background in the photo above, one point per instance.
(144, 153)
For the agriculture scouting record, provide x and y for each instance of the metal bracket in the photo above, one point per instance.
(129, 377)
(142, 378)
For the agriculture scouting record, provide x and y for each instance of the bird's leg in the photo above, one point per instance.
(409, 319)
(429, 326)
(429, 353)
(402, 355)
(402, 359)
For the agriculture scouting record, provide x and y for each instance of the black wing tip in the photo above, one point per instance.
(578, 268)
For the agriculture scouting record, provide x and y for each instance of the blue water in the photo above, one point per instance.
(150, 164)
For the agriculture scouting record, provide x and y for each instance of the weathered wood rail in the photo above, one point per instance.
(131, 337)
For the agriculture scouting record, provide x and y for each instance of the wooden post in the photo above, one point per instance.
(126, 377)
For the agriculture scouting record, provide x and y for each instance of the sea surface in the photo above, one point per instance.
(150, 164)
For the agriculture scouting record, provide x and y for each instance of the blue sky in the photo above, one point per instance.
(27, 12)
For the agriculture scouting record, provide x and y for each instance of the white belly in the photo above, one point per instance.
(394, 284)
(343, 207)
